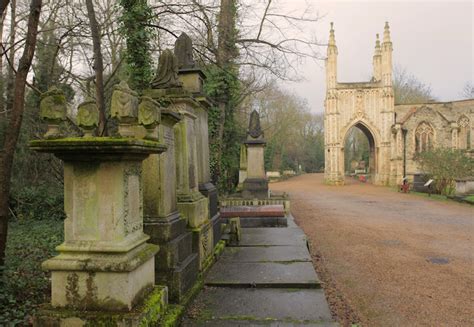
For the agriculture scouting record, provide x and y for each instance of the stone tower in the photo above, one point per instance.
(368, 106)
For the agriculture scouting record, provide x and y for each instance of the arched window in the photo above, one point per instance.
(424, 136)
(464, 133)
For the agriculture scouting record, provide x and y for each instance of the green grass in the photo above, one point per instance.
(469, 198)
(25, 284)
(437, 197)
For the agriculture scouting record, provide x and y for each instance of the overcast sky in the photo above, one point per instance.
(433, 40)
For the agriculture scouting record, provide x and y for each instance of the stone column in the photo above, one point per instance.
(105, 269)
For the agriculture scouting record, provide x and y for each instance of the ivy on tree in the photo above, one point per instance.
(135, 28)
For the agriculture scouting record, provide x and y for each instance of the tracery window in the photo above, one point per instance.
(464, 133)
(424, 136)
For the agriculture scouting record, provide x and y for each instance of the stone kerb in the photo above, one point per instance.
(104, 264)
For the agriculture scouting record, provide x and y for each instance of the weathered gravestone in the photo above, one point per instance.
(191, 204)
(192, 78)
(105, 270)
(177, 265)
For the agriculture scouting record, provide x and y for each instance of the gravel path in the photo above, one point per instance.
(387, 258)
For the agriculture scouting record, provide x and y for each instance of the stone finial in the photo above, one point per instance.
(124, 107)
(183, 50)
(332, 37)
(386, 33)
(377, 44)
(88, 117)
(149, 116)
(255, 130)
(53, 109)
(167, 72)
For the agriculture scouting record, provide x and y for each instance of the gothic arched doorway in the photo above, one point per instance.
(359, 154)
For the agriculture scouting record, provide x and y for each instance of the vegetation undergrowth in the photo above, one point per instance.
(25, 284)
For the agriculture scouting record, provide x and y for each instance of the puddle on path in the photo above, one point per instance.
(438, 260)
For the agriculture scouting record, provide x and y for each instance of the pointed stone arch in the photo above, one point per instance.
(424, 137)
(464, 134)
(371, 133)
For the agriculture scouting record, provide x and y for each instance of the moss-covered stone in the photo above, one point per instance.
(148, 313)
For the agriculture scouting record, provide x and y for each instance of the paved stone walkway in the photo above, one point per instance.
(268, 280)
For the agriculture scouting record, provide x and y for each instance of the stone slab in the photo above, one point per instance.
(267, 274)
(266, 254)
(272, 237)
(290, 306)
(249, 222)
(253, 211)
(291, 221)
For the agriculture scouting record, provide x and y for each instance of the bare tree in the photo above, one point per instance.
(3, 5)
(14, 125)
(468, 91)
(408, 89)
(98, 66)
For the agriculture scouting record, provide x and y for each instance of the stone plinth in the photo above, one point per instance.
(104, 263)
(256, 183)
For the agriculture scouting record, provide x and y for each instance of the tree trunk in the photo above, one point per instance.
(3, 5)
(98, 66)
(2, 79)
(13, 130)
(11, 73)
(225, 60)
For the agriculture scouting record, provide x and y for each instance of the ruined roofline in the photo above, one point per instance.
(357, 85)
(433, 102)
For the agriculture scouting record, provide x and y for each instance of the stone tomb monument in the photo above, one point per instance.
(191, 204)
(192, 79)
(105, 270)
(253, 204)
(256, 184)
(176, 265)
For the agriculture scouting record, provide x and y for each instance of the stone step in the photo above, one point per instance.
(265, 254)
(263, 274)
(179, 279)
(253, 211)
(248, 222)
(256, 307)
(274, 236)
